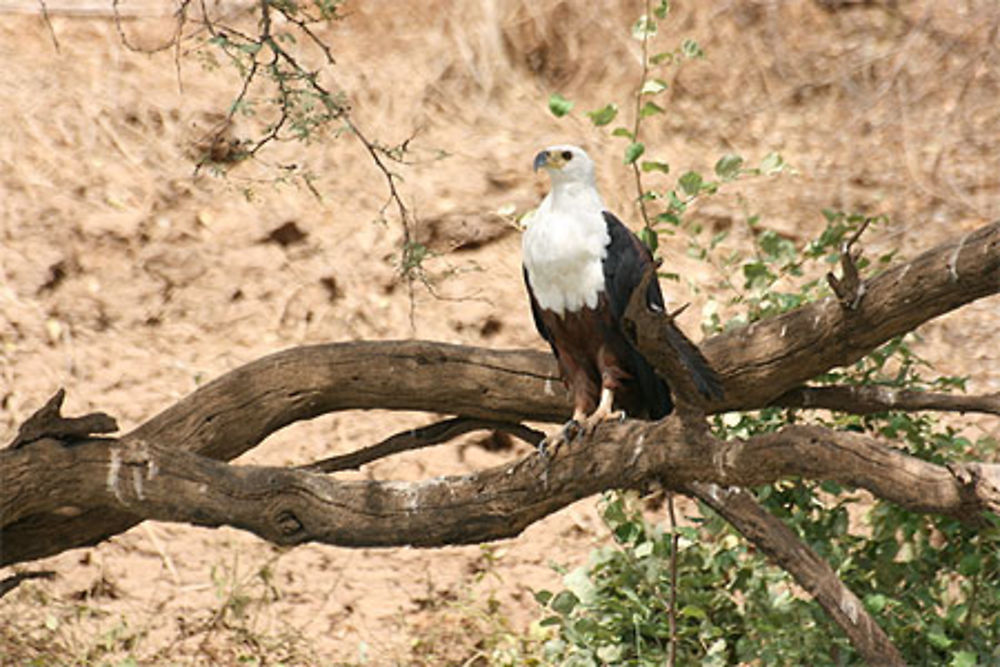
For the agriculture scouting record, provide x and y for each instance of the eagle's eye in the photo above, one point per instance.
(566, 155)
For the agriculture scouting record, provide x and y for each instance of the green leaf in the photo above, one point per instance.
(728, 167)
(774, 163)
(691, 49)
(251, 48)
(757, 275)
(664, 57)
(644, 28)
(585, 626)
(653, 86)
(964, 659)
(542, 597)
(662, 9)
(649, 239)
(691, 183)
(650, 109)
(564, 602)
(559, 105)
(633, 151)
(876, 603)
(611, 654)
(614, 511)
(938, 639)
(622, 132)
(604, 115)
(669, 218)
(653, 165)
(970, 565)
(691, 611)
(579, 584)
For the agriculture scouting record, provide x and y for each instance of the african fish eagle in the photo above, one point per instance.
(581, 265)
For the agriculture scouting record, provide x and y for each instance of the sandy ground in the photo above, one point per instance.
(129, 280)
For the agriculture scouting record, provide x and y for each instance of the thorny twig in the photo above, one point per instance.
(641, 192)
(293, 81)
(173, 42)
(48, 24)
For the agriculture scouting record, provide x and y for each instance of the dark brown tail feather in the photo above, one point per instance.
(706, 380)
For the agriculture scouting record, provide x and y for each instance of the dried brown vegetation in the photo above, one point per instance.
(130, 282)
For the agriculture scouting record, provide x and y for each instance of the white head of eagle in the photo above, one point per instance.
(567, 237)
(581, 265)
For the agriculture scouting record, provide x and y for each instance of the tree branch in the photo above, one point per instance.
(55, 497)
(143, 478)
(810, 571)
(762, 361)
(294, 506)
(238, 410)
(867, 399)
(418, 438)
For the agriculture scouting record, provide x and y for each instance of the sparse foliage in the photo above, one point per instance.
(933, 582)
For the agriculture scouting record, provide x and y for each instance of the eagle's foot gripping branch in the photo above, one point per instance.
(605, 412)
(569, 432)
(593, 421)
(582, 424)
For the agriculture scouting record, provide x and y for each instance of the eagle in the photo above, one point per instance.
(581, 265)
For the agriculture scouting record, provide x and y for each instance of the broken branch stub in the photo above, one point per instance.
(48, 422)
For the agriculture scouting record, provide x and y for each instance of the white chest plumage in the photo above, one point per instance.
(564, 246)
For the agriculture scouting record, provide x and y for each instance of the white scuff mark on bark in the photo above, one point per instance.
(715, 492)
(410, 492)
(549, 391)
(849, 605)
(887, 396)
(953, 260)
(114, 467)
(723, 459)
(784, 330)
(637, 450)
(137, 483)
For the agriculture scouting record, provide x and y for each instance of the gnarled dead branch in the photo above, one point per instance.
(56, 496)
(238, 410)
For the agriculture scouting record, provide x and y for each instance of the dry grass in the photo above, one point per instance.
(129, 281)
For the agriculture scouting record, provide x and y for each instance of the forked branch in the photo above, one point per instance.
(756, 365)
(289, 506)
(55, 497)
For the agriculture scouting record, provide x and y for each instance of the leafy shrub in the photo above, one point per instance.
(932, 582)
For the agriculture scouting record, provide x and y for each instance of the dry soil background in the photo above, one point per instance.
(129, 280)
